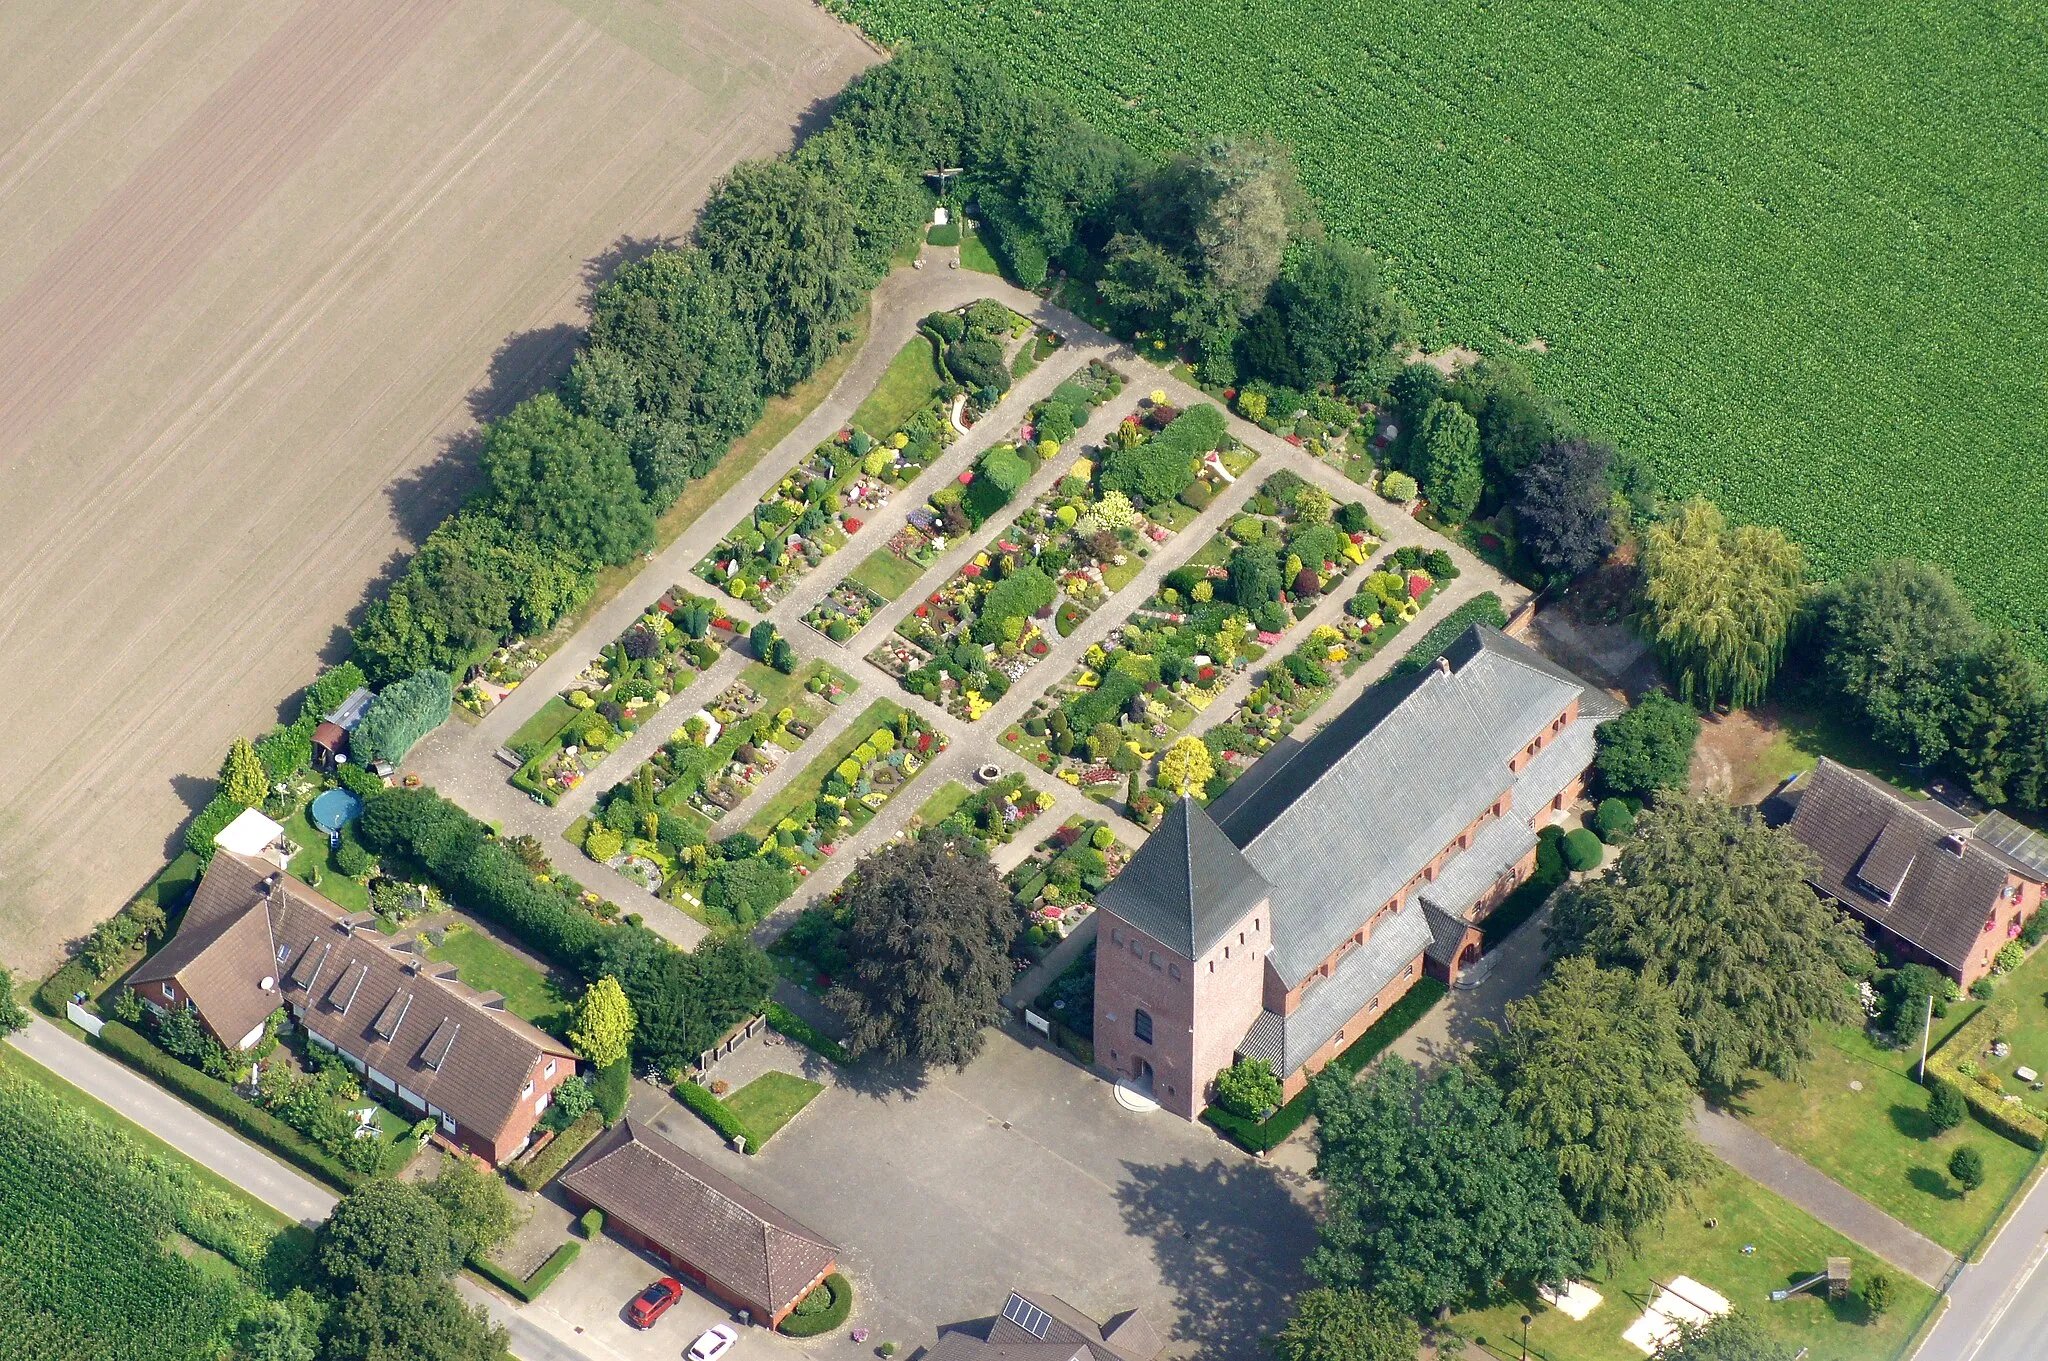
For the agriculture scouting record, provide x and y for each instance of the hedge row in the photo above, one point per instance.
(1480, 609)
(218, 1099)
(833, 1316)
(785, 1022)
(717, 1114)
(61, 986)
(1254, 1137)
(2009, 1118)
(528, 1289)
(541, 1169)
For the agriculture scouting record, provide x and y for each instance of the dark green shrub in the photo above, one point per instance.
(610, 1089)
(1581, 850)
(1945, 1105)
(1613, 822)
(1197, 495)
(716, 1114)
(592, 1222)
(813, 1316)
(352, 860)
(402, 713)
(1248, 1088)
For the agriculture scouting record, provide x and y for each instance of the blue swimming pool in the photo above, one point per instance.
(334, 810)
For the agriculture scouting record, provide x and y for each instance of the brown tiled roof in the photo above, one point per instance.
(363, 992)
(1905, 864)
(747, 1247)
(960, 1346)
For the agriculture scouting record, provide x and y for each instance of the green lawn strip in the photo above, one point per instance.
(940, 805)
(771, 1101)
(1877, 1140)
(975, 255)
(2026, 989)
(92, 1108)
(1790, 1246)
(550, 719)
(887, 575)
(910, 381)
(804, 788)
(487, 966)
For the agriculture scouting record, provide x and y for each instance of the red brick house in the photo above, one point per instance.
(1280, 923)
(719, 1236)
(1921, 877)
(254, 939)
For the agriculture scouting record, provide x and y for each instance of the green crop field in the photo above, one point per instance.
(1792, 253)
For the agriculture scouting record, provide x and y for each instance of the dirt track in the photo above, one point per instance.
(261, 267)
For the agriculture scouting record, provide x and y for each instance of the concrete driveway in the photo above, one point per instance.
(1024, 1171)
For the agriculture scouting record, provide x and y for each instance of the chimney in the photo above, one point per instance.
(1443, 666)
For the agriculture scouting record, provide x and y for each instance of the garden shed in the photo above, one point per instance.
(330, 740)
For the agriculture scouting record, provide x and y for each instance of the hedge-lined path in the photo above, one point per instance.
(1821, 1196)
(213, 1147)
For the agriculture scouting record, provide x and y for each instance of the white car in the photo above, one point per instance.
(714, 1344)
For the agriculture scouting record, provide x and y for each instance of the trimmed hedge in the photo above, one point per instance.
(833, 1316)
(1480, 609)
(611, 1088)
(218, 1100)
(1253, 1137)
(544, 1166)
(787, 1023)
(2010, 1119)
(528, 1289)
(60, 987)
(717, 1114)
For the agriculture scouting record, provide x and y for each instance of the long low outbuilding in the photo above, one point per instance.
(714, 1233)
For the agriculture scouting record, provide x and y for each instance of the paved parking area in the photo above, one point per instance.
(1023, 1170)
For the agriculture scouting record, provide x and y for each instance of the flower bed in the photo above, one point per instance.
(994, 815)
(793, 528)
(499, 676)
(661, 654)
(844, 611)
(1054, 886)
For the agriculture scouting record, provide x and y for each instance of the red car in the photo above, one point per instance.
(651, 1303)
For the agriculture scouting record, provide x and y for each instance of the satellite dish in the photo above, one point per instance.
(269, 983)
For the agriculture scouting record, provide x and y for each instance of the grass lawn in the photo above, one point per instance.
(771, 1101)
(20, 1066)
(344, 892)
(1877, 1142)
(1790, 1246)
(1801, 736)
(940, 806)
(489, 967)
(910, 381)
(887, 575)
(975, 255)
(550, 719)
(2026, 988)
(1116, 576)
(804, 788)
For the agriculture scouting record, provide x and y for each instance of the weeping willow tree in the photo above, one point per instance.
(1717, 603)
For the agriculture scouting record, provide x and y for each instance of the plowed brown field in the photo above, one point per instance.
(262, 267)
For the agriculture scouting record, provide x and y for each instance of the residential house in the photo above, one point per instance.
(1042, 1327)
(1918, 874)
(255, 939)
(1282, 922)
(717, 1235)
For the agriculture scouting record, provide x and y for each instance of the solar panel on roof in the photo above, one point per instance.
(2016, 839)
(1027, 1316)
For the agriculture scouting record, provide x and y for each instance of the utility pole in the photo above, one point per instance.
(1926, 1033)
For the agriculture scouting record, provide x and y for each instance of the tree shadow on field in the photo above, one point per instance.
(813, 119)
(624, 250)
(528, 362)
(422, 497)
(1228, 1241)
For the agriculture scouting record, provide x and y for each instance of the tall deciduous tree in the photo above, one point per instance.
(566, 480)
(1346, 1325)
(929, 933)
(1561, 507)
(1893, 640)
(602, 1031)
(1717, 603)
(2001, 705)
(1447, 453)
(479, 1209)
(1435, 1197)
(684, 1000)
(1715, 905)
(1254, 205)
(1648, 750)
(1332, 318)
(405, 1318)
(241, 774)
(1733, 1336)
(386, 1228)
(1593, 1068)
